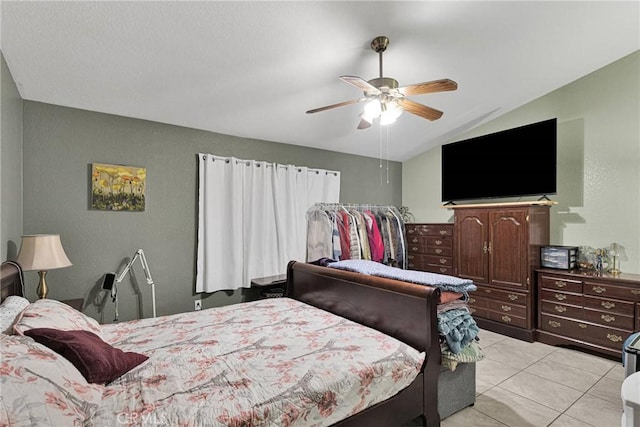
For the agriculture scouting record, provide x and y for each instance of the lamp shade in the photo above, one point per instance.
(42, 252)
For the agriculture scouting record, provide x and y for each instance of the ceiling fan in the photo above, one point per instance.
(385, 99)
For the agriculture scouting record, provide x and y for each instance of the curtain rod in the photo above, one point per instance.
(267, 164)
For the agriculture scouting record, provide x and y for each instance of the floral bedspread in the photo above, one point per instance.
(263, 363)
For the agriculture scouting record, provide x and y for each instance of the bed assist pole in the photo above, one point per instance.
(147, 274)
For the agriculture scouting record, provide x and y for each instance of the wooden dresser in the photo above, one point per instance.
(430, 247)
(588, 310)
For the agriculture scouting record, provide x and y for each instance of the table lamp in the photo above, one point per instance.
(42, 252)
(615, 252)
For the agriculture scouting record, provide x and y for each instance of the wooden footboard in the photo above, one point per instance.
(405, 311)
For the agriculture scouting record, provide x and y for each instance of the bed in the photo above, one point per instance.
(366, 312)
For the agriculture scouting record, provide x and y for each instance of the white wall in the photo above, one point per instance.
(598, 161)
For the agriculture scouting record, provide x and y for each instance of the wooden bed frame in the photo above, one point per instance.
(403, 310)
(11, 283)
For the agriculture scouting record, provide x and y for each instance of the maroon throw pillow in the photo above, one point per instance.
(96, 360)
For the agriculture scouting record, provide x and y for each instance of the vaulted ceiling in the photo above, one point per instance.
(252, 69)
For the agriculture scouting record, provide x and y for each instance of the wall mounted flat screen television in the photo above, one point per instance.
(510, 163)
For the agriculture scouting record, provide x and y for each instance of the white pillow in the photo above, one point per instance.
(48, 313)
(10, 308)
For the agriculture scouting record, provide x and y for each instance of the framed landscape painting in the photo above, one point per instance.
(118, 187)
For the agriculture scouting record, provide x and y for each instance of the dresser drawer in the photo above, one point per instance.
(508, 308)
(442, 261)
(418, 230)
(583, 331)
(561, 309)
(440, 251)
(440, 242)
(560, 283)
(414, 248)
(561, 297)
(415, 258)
(629, 293)
(477, 302)
(479, 312)
(497, 294)
(438, 269)
(609, 305)
(609, 319)
(416, 241)
(508, 319)
(442, 230)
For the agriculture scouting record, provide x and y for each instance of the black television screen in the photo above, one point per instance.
(510, 163)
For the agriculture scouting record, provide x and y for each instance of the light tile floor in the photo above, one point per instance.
(522, 384)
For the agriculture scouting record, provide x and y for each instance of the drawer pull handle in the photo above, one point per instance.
(560, 297)
(614, 338)
(607, 318)
(560, 284)
(506, 308)
(472, 310)
(414, 240)
(411, 231)
(506, 319)
(635, 291)
(415, 249)
(512, 297)
(438, 242)
(560, 308)
(443, 260)
(582, 326)
(554, 324)
(443, 232)
(438, 251)
(608, 304)
(410, 257)
(472, 300)
(488, 291)
(443, 270)
(599, 289)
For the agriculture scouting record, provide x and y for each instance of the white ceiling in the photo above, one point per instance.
(252, 69)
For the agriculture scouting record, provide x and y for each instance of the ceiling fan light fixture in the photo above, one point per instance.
(372, 110)
(390, 112)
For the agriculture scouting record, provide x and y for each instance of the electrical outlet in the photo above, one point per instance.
(197, 305)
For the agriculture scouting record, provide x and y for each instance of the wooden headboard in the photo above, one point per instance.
(12, 280)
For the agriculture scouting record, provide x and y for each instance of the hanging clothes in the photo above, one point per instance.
(319, 235)
(370, 232)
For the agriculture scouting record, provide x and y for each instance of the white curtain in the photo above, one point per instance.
(251, 218)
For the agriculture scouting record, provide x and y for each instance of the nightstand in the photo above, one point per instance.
(270, 286)
(76, 303)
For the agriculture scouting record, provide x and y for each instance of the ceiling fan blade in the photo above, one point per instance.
(428, 87)
(420, 110)
(361, 84)
(340, 104)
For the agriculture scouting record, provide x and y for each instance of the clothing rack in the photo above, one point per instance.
(356, 231)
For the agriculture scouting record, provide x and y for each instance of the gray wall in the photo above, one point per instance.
(10, 164)
(61, 143)
(598, 161)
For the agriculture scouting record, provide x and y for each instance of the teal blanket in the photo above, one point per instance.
(458, 328)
